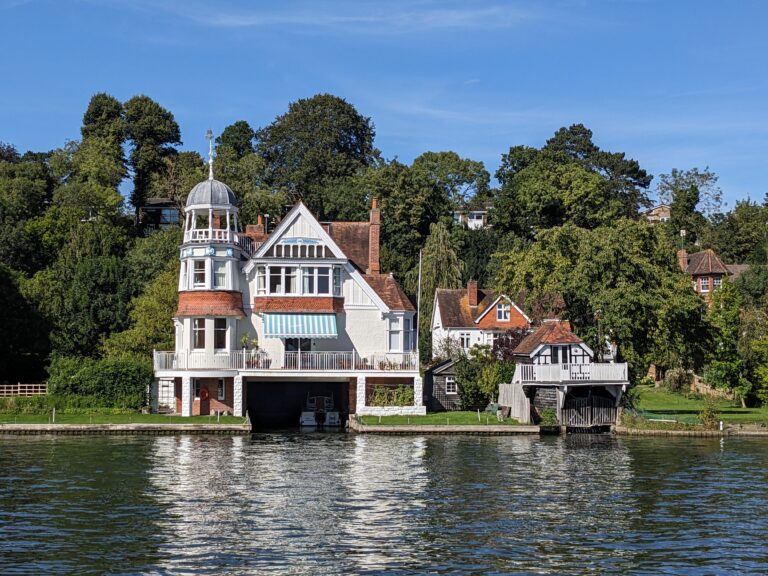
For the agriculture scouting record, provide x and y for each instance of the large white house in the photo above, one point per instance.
(266, 320)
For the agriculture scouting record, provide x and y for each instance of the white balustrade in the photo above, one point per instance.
(305, 361)
(571, 372)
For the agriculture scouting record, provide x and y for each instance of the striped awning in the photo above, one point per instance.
(300, 326)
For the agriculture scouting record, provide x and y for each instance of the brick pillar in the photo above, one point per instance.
(154, 401)
(472, 292)
(418, 391)
(360, 394)
(373, 238)
(682, 260)
(237, 407)
(186, 396)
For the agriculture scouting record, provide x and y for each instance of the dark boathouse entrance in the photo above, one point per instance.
(279, 404)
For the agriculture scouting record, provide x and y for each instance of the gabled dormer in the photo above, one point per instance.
(553, 343)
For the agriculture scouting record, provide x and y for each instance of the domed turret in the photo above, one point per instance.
(211, 193)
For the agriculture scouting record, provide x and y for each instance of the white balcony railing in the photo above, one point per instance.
(289, 361)
(214, 235)
(538, 373)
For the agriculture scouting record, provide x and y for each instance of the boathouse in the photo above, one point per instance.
(556, 370)
(266, 320)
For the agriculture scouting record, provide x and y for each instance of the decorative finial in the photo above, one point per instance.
(209, 137)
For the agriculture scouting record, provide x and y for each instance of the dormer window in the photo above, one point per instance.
(502, 312)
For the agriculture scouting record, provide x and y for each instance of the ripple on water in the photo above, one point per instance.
(346, 504)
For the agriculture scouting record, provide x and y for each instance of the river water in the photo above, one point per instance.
(357, 504)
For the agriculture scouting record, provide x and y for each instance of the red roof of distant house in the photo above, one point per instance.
(455, 311)
(550, 332)
(704, 263)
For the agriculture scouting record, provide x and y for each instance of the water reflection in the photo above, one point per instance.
(339, 504)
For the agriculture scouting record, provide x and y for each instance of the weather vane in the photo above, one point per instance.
(209, 137)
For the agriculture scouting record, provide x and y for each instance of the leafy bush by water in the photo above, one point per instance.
(387, 396)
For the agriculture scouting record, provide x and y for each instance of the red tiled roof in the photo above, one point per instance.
(353, 239)
(298, 304)
(210, 303)
(389, 291)
(705, 262)
(455, 311)
(550, 332)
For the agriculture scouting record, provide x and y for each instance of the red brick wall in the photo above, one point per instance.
(213, 404)
(298, 304)
(210, 303)
(352, 395)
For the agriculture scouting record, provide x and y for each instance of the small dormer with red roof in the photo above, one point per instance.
(553, 343)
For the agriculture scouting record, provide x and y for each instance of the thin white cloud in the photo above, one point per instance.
(350, 16)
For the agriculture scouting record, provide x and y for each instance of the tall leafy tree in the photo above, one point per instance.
(703, 181)
(239, 137)
(461, 179)
(318, 143)
(153, 133)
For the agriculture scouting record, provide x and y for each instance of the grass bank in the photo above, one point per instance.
(100, 418)
(656, 404)
(464, 418)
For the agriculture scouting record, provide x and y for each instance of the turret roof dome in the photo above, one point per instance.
(211, 192)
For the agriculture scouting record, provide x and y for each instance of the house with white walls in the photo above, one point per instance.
(266, 320)
(473, 316)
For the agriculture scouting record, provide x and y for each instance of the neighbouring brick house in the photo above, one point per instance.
(473, 316)
(707, 270)
(264, 320)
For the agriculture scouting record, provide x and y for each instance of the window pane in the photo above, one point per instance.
(275, 280)
(198, 332)
(219, 274)
(199, 277)
(309, 281)
(323, 280)
(221, 394)
(220, 333)
(337, 281)
(394, 341)
(261, 280)
(291, 282)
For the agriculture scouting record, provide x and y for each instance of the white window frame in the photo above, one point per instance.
(261, 280)
(198, 325)
(222, 391)
(222, 264)
(704, 284)
(465, 340)
(450, 386)
(395, 329)
(503, 311)
(184, 277)
(717, 282)
(196, 387)
(195, 272)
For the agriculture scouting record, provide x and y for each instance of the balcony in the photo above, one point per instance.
(215, 235)
(570, 373)
(258, 360)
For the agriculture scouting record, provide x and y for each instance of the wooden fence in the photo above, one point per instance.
(512, 395)
(20, 389)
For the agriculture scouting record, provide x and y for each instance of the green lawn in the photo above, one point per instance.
(656, 403)
(97, 418)
(438, 419)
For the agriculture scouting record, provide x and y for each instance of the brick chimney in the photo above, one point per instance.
(682, 259)
(255, 229)
(373, 238)
(472, 292)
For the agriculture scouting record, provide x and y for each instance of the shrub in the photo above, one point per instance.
(110, 382)
(710, 416)
(678, 380)
(387, 396)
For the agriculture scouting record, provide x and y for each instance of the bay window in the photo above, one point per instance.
(220, 333)
(198, 278)
(261, 280)
(219, 274)
(395, 334)
(293, 280)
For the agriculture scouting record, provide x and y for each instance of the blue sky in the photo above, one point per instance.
(672, 84)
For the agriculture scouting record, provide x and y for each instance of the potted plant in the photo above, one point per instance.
(244, 339)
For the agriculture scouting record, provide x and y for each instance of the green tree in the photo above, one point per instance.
(319, 142)
(461, 179)
(724, 368)
(150, 319)
(703, 181)
(741, 235)
(239, 137)
(153, 132)
(441, 268)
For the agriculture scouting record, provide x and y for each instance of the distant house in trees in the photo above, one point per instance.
(660, 213)
(707, 270)
(158, 214)
(474, 219)
(473, 316)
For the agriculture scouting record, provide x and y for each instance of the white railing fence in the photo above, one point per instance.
(203, 235)
(571, 372)
(19, 389)
(260, 360)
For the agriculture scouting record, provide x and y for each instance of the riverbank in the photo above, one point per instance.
(118, 429)
(471, 429)
(693, 433)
